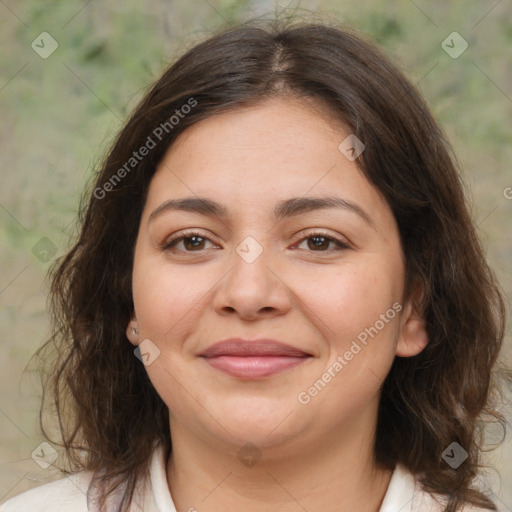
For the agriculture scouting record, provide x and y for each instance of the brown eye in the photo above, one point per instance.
(191, 242)
(320, 242)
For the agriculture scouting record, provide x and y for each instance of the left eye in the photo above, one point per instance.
(319, 242)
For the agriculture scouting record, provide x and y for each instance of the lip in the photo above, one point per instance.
(253, 359)
(246, 348)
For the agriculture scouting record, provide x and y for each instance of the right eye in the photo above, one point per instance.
(193, 241)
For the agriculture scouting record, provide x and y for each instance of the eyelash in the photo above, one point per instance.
(170, 244)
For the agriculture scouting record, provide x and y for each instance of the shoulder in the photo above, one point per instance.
(65, 495)
(406, 492)
(75, 494)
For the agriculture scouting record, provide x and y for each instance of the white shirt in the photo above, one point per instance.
(404, 494)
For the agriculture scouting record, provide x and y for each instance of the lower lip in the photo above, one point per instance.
(254, 367)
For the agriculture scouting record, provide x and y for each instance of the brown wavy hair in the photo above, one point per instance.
(110, 415)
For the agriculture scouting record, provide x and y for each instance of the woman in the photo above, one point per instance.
(277, 300)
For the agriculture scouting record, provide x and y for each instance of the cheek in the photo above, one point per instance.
(347, 300)
(167, 297)
(167, 302)
(358, 315)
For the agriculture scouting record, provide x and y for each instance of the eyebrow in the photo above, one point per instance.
(283, 209)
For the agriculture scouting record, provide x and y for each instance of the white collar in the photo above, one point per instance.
(400, 493)
(158, 479)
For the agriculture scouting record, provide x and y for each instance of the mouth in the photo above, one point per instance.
(254, 359)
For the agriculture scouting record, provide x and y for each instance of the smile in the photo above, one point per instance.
(253, 359)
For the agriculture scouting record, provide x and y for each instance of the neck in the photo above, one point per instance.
(333, 473)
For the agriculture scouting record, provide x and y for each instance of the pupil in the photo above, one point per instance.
(318, 241)
(194, 241)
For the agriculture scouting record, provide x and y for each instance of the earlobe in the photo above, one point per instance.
(413, 336)
(132, 332)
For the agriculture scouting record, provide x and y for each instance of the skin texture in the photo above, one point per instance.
(318, 299)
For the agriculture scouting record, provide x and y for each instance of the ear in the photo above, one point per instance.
(413, 337)
(132, 331)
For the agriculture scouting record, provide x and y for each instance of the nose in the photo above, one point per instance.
(252, 290)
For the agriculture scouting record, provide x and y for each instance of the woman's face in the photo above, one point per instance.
(327, 281)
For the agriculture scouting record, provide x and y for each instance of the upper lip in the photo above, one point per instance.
(247, 348)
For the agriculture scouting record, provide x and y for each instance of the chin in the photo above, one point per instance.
(265, 423)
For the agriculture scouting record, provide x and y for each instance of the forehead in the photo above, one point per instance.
(250, 157)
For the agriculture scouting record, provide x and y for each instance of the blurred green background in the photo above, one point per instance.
(60, 113)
